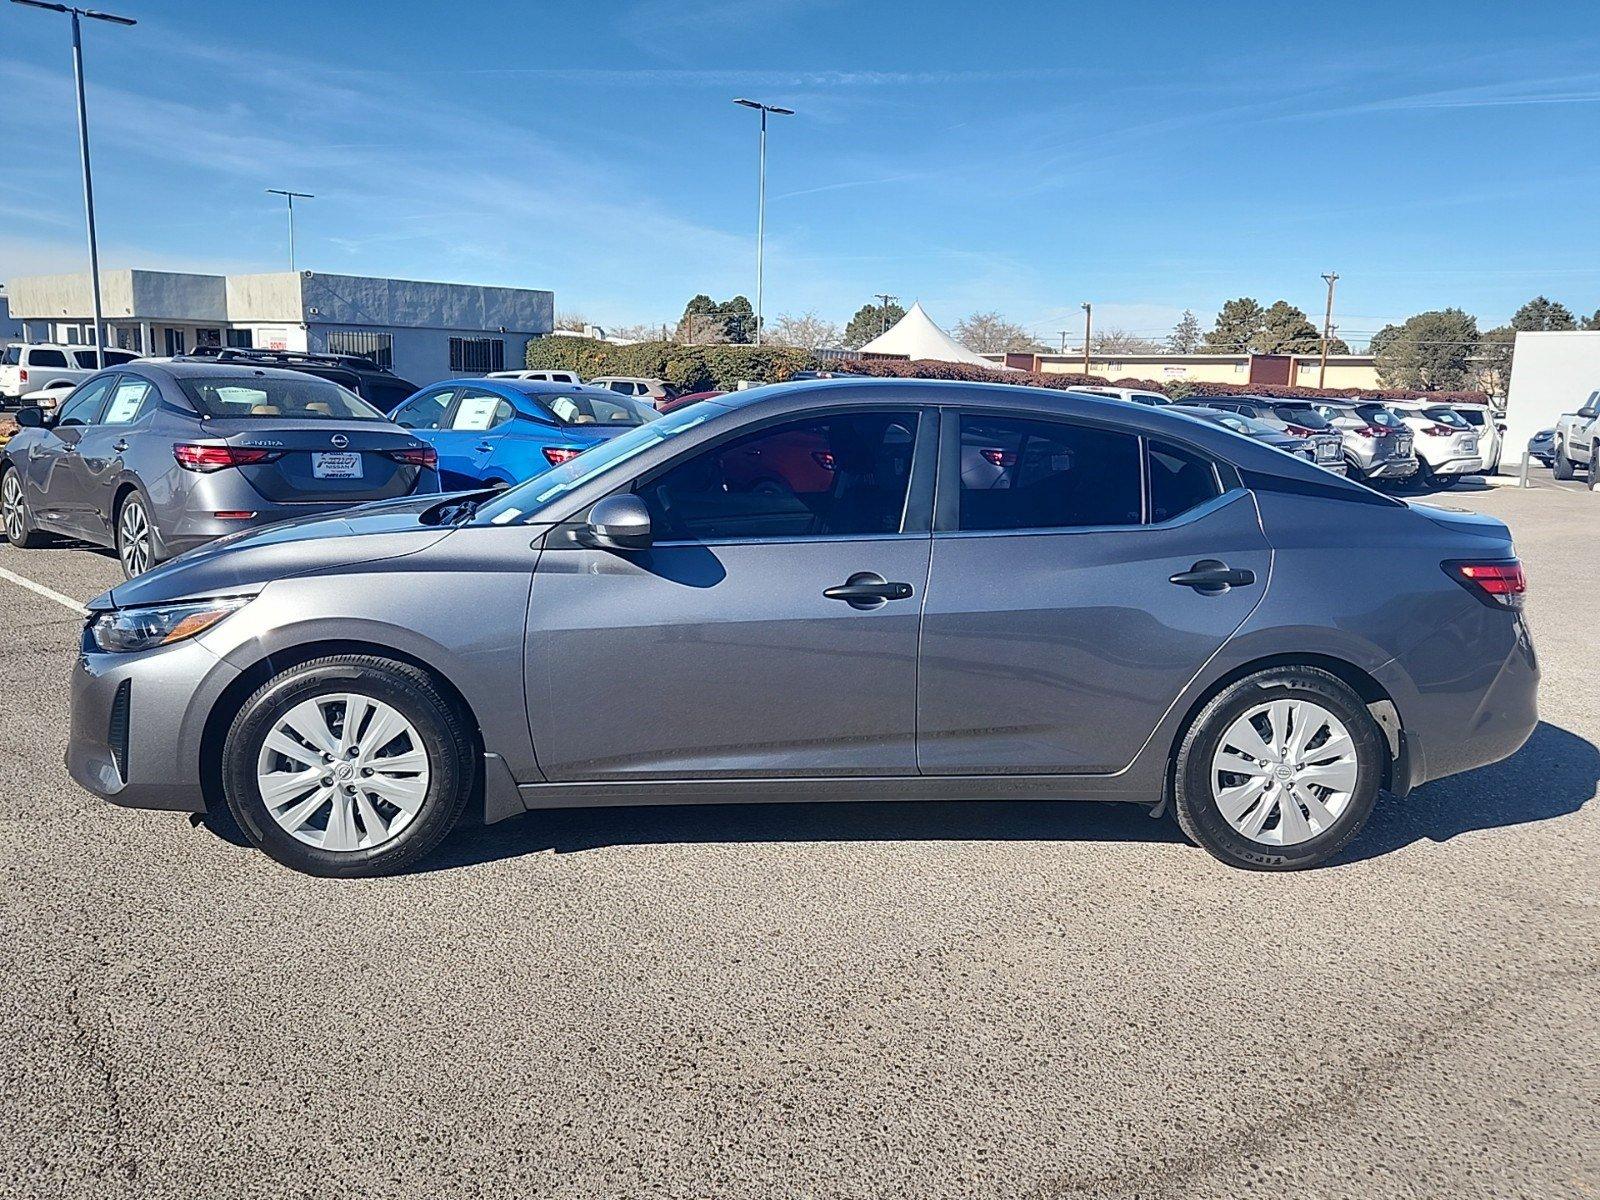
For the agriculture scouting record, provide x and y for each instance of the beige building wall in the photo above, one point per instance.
(1344, 370)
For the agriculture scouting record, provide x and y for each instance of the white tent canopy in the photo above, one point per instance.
(916, 336)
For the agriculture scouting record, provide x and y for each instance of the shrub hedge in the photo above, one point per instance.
(702, 368)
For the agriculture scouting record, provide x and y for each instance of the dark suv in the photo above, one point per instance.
(378, 386)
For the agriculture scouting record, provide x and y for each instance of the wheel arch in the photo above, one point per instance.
(232, 698)
(1373, 694)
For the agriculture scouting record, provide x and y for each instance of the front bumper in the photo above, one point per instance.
(147, 755)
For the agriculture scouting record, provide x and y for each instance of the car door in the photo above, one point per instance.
(97, 467)
(54, 487)
(771, 628)
(475, 429)
(1070, 601)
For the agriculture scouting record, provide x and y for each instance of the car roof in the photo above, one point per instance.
(174, 369)
(527, 387)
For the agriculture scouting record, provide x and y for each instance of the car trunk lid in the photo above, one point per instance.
(308, 463)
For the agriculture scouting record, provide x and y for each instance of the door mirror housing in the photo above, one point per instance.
(32, 417)
(1588, 413)
(619, 523)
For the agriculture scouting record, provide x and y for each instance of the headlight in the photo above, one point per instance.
(129, 629)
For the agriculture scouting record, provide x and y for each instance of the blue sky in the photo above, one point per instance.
(1022, 158)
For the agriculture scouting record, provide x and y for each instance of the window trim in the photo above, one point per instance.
(947, 497)
(915, 513)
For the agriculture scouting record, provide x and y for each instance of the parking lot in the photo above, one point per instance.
(855, 1000)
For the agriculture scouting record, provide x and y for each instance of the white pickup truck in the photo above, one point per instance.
(1577, 440)
(30, 366)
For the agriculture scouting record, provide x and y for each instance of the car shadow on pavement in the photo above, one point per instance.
(1554, 775)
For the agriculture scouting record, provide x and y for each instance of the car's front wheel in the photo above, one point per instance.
(1561, 466)
(348, 766)
(1279, 771)
(14, 517)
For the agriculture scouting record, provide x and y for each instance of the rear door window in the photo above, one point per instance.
(131, 399)
(1180, 479)
(1021, 474)
(478, 410)
(47, 358)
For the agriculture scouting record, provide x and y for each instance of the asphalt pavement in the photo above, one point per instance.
(912, 1000)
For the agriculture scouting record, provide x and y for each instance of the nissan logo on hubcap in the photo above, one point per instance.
(340, 441)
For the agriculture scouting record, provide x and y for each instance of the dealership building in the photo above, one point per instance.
(421, 331)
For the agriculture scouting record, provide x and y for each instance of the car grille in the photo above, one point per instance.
(117, 734)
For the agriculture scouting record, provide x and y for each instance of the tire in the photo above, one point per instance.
(134, 534)
(1200, 786)
(1561, 466)
(373, 834)
(14, 519)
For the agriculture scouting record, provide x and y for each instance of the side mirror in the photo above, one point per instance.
(619, 523)
(31, 417)
(1588, 414)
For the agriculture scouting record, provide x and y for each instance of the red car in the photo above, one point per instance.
(676, 402)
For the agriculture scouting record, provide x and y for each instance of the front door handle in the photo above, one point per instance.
(120, 445)
(484, 447)
(866, 590)
(1211, 577)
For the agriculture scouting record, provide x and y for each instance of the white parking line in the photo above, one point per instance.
(47, 593)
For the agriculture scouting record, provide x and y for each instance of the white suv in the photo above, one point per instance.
(571, 377)
(1447, 447)
(32, 366)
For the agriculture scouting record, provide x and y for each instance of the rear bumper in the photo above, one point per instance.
(1392, 468)
(148, 755)
(1459, 466)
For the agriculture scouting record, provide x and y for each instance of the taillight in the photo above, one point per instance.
(1498, 584)
(560, 454)
(197, 456)
(824, 459)
(1299, 430)
(22, 375)
(415, 456)
(1372, 431)
(1000, 458)
(1438, 430)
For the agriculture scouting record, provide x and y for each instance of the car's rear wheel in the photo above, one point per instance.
(1561, 466)
(348, 766)
(1279, 771)
(136, 539)
(14, 517)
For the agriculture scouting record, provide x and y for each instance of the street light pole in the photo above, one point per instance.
(1088, 315)
(761, 198)
(83, 150)
(291, 197)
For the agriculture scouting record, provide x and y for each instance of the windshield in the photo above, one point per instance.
(523, 501)
(1472, 416)
(1243, 424)
(12, 357)
(590, 409)
(251, 398)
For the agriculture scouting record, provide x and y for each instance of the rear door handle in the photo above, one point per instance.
(1211, 577)
(120, 445)
(484, 447)
(866, 590)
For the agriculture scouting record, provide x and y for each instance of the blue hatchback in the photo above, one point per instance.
(502, 431)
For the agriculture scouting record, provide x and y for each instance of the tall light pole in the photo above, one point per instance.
(761, 198)
(1088, 316)
(1331, 278)
(83, 150)
(291, 197)
(883, 310)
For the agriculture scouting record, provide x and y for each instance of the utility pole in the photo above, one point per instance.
(1088, 319)
(883, 311)
(761, 196)
(1064, 342)
(83, 150)
(1331, 278)
(291, 197)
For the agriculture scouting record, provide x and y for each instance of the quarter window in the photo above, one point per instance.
(1179, 480)
(1021, 474)
(832, 476)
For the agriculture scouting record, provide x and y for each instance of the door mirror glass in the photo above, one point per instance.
(619, 523)
(32, 417)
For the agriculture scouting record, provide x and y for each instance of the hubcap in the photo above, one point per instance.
(11, 511)
(1284, 772)
(343, 772)
(134, 528)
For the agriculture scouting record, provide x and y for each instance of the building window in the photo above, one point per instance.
(379, 347)
(241, 339)
(174, 342)
(207, 337)
(477, 354)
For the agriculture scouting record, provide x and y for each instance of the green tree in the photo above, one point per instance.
(1285, 329)
(870, 320)
(1432, 351)
(1591, 322)
(738, 319)
(1185, 335)
(1542, 315)
(704, 321)
(1382, 338)
(1493, 362)
(1236, 326)
(990, 333)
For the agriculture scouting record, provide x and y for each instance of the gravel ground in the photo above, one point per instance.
(992, 1000)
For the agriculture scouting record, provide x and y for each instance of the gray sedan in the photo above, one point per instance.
(793, 594)
(157, 457)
